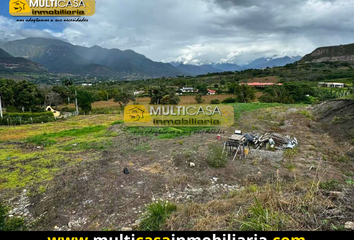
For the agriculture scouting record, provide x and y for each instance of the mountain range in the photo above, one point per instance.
(58, 56)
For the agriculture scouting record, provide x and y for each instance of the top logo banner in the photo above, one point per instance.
(52, 8)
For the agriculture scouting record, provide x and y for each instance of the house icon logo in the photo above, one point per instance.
(19, 6)
(136, 114)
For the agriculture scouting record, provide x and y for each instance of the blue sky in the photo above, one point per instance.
(201, 31)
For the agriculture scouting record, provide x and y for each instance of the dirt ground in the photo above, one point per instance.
(97, 195)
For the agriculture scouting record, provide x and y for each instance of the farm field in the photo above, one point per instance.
(70, 176)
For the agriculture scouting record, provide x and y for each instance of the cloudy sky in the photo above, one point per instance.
(197, 31)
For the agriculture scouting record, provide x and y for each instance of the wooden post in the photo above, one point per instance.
(1, 108)
(77, 107)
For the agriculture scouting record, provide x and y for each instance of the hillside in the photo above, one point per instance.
(341, 53)
(10, 64)
(62, 57)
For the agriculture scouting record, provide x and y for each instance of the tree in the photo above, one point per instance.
(85, 100)
(67, 82)
(244, 93)
(199, 98)
(163, 95)
(202, 89)
(27, 96)
(124, 97)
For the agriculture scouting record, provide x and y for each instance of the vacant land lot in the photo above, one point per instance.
(68, 175)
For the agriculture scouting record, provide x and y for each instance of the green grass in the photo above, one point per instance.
(330, 185)
(20, 167)
(260, 218)
(48, 139)
(246, 107)
(164, 133)
(156, 215)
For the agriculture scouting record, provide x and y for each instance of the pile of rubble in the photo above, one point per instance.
(241, 144)
(273, 140)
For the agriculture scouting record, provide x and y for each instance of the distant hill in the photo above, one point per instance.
(227, 67)
(10, 64)
(198, 70)
(341, 53)
(62, 57)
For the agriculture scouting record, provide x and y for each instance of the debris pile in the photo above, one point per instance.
(242, 144)
(275, 140)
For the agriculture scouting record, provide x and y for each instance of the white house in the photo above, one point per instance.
(187, 89)
(138, 92)
(331, 84)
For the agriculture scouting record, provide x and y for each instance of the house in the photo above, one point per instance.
(331, 84)
(211, 92)
(187, 89)
(138, 92)
(261, 85)
(55, 112)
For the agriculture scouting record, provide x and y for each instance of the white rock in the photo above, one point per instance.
(126, 229)
(349, 225)
(191, 164)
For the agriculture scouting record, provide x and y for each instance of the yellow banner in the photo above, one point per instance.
(52, 8)
(182, 116)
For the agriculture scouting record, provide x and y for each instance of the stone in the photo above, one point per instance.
(349, 225)
(126, 229)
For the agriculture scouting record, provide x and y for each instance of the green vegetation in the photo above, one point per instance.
(48, 139)
(26, 118)
(246, 107)
(215, 157)
(10, 224)
(156, 215)
(165, 133)
(199, 99)
(330, 185)
(262, 219)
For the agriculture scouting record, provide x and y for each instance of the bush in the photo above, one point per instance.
(198, 98)
(215, 158)
(156, 215)
(26, 118)
(10, 224)
(215, 101)
(229, 100)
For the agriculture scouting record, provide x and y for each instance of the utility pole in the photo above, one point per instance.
(77, 107)
(0, 108)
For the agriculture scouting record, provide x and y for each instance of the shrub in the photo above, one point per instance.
(198, 98)
(10, 224)
(215, 158)
(215, 101)
(26, 118)
(229, 100)
(156, 215)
